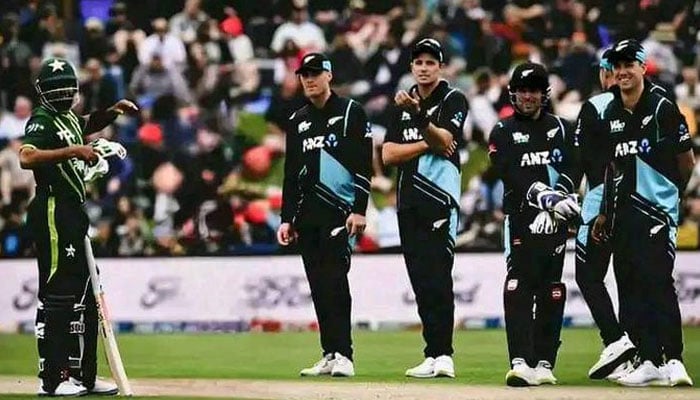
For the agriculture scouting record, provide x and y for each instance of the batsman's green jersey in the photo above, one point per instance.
(47, 131)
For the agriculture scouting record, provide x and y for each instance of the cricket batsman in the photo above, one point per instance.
(55, 150)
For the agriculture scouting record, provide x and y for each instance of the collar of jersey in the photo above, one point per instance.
(521, 117)
(436, 95)
(327, 108)
(646, 93)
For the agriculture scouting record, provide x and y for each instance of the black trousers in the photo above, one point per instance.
(427, 241)
(66, 320)
(645, 256)
(325, 250)
(533, 282)
(592, 261)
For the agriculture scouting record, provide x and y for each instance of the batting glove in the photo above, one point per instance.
(544, 224)
(105, 149)
(96, 171)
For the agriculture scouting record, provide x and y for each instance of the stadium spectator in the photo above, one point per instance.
(155, 80)
(169, 47)
(16, 184)
(305, 34)
(59, 45)
(15, 59)
(95, 44)
(12, 124)
(185, 24)
(98, 91)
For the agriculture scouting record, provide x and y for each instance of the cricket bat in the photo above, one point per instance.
(114, 359)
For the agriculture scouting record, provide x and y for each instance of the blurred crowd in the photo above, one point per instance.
(215, 83)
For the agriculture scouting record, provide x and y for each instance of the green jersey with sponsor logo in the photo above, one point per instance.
(46, 130)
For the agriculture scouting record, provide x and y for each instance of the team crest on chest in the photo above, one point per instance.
(520, 138)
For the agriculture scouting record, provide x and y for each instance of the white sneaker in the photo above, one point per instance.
(64, 389)
(676, 373)
(101, 388)
(621, 370)
(444, 366)
(426, 369)
(324, 366)
(612, 355)
(343, 366)
(543, 372)
(647, 374)
(521, 374)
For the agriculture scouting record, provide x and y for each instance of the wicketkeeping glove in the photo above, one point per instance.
(567, 209)
(105, 149)
(543, 197)
(544, 224)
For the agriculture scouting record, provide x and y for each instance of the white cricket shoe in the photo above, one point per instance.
(444, 366)
(426, 369)
(324, 366)
(621, 370)
(343, 366)
(676, 373)
(521, 374)
(646, 374)
(101, 388)
(612, 355)
(543, 372)
(64, 389)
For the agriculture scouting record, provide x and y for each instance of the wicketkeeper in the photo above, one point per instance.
(529, 152)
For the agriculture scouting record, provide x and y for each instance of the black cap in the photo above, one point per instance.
(627, 50)
(430, 46)
(530, 75)
(314, 62)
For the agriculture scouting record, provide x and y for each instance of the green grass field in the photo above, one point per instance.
(480, 356)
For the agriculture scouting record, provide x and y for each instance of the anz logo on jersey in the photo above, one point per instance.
(411, 134)
(632, 147)
(544, 157)
(319, 142)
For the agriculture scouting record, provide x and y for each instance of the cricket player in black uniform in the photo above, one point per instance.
(530, 154)
(327, 175)
(54, 148)
(652, 159)
(422, 141)
(620, 333)
(592, 257)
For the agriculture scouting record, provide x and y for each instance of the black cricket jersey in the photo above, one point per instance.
(644, 143)
(524, 151)
(431, 179)
(589, 140)
(328, 162)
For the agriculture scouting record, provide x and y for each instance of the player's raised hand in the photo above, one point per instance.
(123, 106)
(407, 102)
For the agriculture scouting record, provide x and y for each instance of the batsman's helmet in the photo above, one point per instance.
(57, 84)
